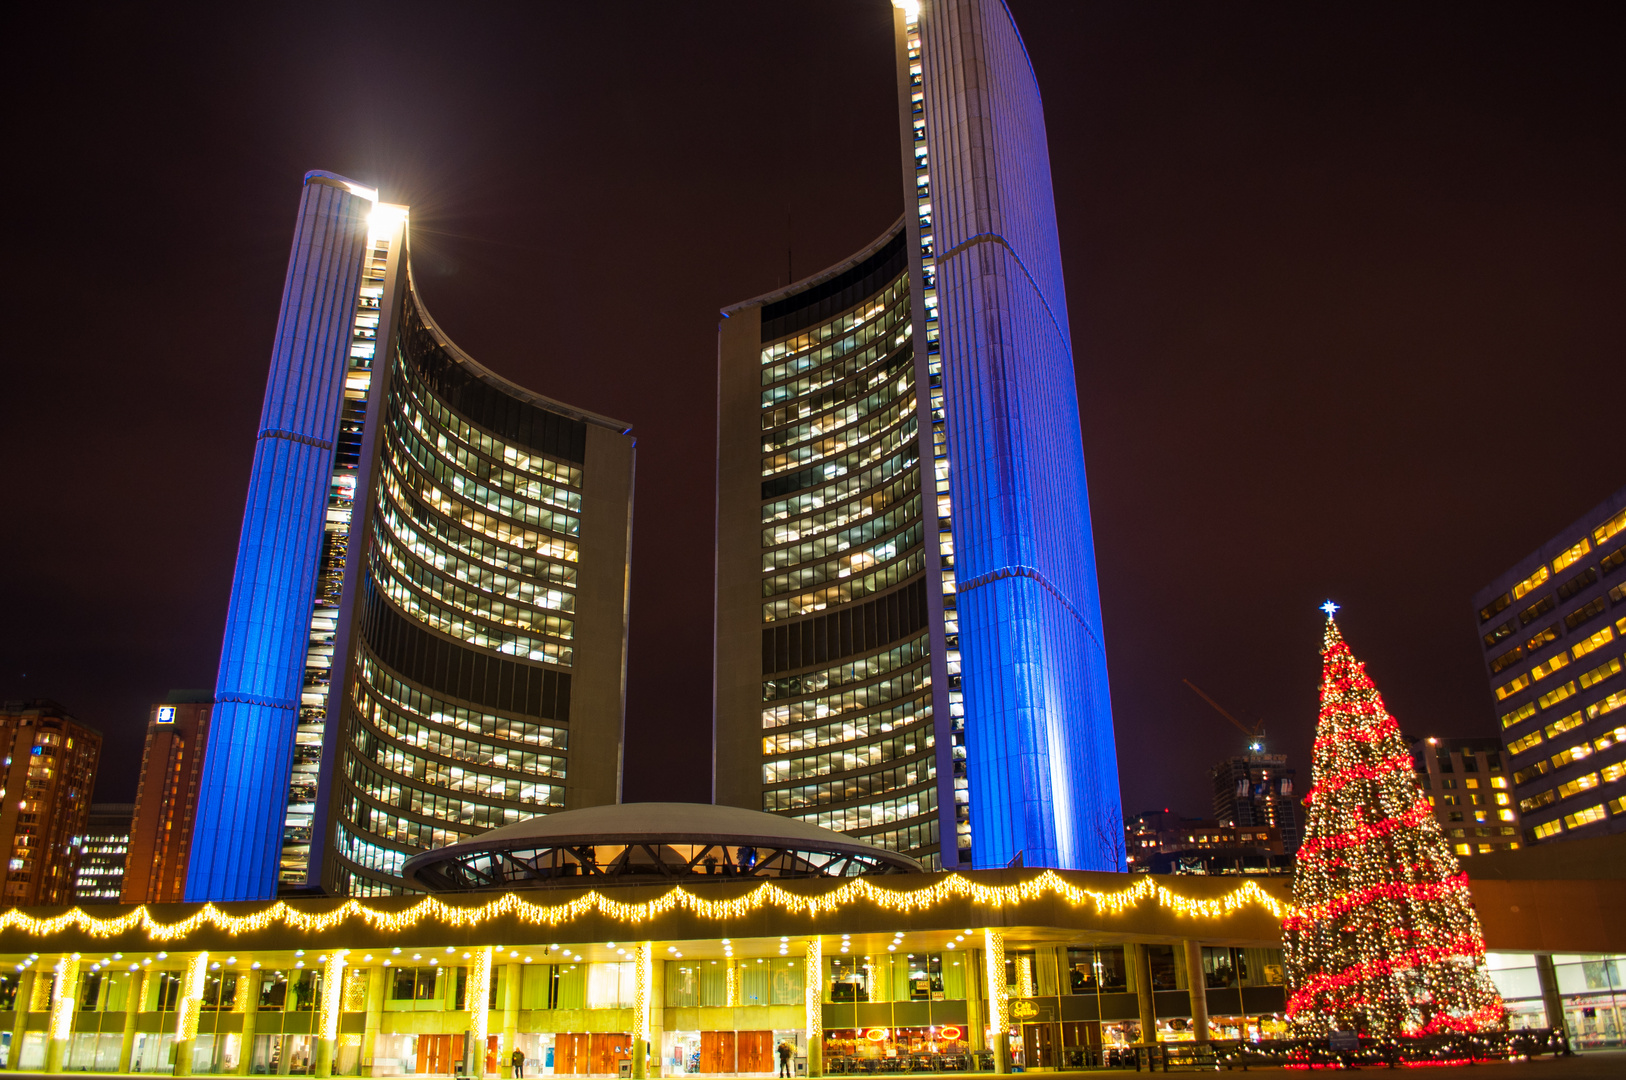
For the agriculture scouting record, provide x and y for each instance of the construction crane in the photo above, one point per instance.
(1256, 732)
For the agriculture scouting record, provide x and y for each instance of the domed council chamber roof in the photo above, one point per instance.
(644, 843)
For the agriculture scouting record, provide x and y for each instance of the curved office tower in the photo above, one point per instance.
(427, 631)
(909, 641)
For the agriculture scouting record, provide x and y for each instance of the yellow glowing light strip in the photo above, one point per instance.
(954, 886)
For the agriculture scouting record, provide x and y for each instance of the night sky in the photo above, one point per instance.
(1345, 282)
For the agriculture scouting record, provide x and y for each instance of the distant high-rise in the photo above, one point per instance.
(1255, 788)
(1466, 783)
(908, 631)
(167, 798)
(1554, 632)
(103, 848)
(427, 630)
(50, 772)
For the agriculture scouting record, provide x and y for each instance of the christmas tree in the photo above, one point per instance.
(1382, 938)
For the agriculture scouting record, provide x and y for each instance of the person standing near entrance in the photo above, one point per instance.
(786, 1052)
(517, 1060)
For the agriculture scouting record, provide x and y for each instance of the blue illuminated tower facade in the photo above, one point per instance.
(909, 635)
(427, 629)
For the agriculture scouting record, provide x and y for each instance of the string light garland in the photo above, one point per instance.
(514, 905)
(1382, 937)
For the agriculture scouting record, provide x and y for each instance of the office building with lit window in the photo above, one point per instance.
(167, 798)
(103, 849)
(1553, 631)
(909, 643)
(1466, 783)
(1255, 789)
(49, 774)
(427, 629)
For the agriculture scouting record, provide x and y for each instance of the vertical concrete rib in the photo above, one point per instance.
(237, 836)
(1041, 757)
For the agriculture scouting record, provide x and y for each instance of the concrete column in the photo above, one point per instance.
(135, 993)
(19, 1026)
(377, 985)
(1551, 1001)
(248, 992)
(327, 1017)
(1197, 987)
(1142, 962)
(188, 1008)
(64, 1000)
(999, 1015)
(512, 974)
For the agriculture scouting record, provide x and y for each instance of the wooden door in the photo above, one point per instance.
(608, 1050)
(570, 1054)
(754, 1052)
(717, 1052)
(439, 1055)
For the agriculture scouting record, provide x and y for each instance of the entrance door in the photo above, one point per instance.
(754, 1052)
(439, 1055)
(1038, 1046)
(571, 1055)
(608, 1050)
(717, 1052)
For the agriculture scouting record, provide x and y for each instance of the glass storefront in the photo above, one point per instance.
(1590, 986)
(924, 1047)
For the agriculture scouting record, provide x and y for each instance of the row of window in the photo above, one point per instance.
(424, 709)
(850, 729)
(846, 565)
(421, 429)
(867, 667)
(869, 815)
(1575, 786)
(526, 460)
(459, 748)
(873, 391)
(812, 395)
(906, 684)
(412, 835)
(420, 469)
(425, 503)
(851, 589)
(400, 762)
(873, 527)
(1548, 667)
(858, 434)
(873, 502)
(494, 569)
(897, 292)
(1600, 536)
(1579, 818)
(404, 797)
(457, 621)
(521, 604)
(849, 758)
(803, 395)
(845, 487)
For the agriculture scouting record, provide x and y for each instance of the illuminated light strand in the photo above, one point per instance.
(1419, 811)
(953, 886)
(1361, 772)
(1467, 945)
(1392, 890)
